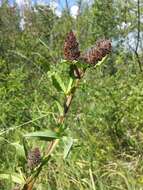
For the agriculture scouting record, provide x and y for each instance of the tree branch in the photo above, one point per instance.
(138, 36)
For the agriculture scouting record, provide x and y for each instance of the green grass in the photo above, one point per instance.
(105, 122)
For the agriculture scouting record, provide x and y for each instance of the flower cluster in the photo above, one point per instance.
(34, 158)
(92, 56)
(97, 52)
(71, 50)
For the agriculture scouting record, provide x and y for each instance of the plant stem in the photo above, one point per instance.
(51, 147)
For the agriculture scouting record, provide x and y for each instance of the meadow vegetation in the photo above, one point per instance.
(100, 143)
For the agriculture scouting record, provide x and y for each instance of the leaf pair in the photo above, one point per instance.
(59, 84)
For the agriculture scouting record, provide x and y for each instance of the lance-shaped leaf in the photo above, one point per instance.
(60, 108)
(14, 177)
(46, 135)
(70, 85)
(68, 143)
(58, 83)
(19, 149)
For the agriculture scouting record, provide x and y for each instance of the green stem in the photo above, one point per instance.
(31, 181)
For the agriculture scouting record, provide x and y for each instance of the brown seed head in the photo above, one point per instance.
(34, 158)
(97, 52)
(71, 50)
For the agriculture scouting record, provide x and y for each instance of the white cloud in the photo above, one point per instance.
(58, 13)
(20, 3)
(89, 2)
(74, 11)
(42, 2)
(53, 5)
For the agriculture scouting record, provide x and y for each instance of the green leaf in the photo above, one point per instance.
(82, 65)
(43, 187)
(69, 85)
(58, 83)
(68, 62)
(64, 61)
(46, 135)
(60, 108)
(25, 146)
(100, 62)
(68, 143)
(19, 149)
(16, 178)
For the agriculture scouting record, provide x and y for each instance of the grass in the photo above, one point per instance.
(107, 151)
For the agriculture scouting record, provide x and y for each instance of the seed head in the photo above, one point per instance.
(34, 158)
(97, 52)
(71, 50)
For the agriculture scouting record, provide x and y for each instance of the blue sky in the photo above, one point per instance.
(56, 5)
(60, 2)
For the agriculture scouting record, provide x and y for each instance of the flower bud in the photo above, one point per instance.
(97, 52)
(34, 158)
(71, 50)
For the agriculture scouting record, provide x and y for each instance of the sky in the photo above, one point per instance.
(56, 5)
(61, 3)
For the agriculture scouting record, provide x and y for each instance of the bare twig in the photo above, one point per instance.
(138, 36)
(138, 27)
(67, 6)
(135, 50)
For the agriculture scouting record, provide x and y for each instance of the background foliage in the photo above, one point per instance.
(106, 117)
